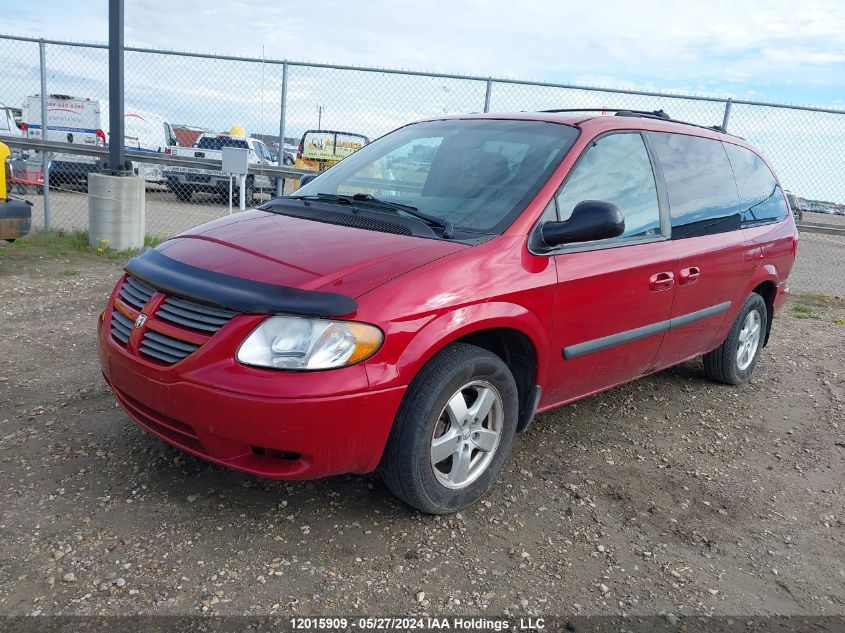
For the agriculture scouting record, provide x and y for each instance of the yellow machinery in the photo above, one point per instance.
(15, 215)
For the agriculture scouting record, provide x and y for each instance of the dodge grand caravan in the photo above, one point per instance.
(413, 320)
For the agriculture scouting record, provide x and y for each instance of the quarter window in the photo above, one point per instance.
(760, 197)
(616, 169)
(699, 182)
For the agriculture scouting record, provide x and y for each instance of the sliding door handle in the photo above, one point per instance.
(689, 275)
(661, 281)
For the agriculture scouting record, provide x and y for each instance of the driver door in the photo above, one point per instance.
(614, 296)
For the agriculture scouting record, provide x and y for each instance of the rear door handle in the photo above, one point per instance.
(661, 281)
(689, 275)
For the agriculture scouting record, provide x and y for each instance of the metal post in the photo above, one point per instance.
(45, 156)
(727, 114)
(117, 158)
(487, 95)
(280, 184)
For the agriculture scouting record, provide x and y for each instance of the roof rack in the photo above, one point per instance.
(645, 114)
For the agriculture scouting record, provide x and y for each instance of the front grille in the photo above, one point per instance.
(135, 292)
(194, 315)
(188, 323)
(165, 348)
(120, 327)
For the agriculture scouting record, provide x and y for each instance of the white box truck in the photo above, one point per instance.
(84, 121)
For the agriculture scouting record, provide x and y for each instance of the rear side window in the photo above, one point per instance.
(699, 182)
(760, 198)
(615, 169)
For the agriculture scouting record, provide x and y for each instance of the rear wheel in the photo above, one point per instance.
(735, 359)
(453, 432)
(183, 193)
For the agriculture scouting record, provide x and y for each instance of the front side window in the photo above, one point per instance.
(760, 198)
(478, 174)
(616, 169)
(699, 182)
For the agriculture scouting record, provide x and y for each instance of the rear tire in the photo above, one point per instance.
(735, 359)
(183, 194)
(453, 432)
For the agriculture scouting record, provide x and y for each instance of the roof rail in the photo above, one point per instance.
(653, 114)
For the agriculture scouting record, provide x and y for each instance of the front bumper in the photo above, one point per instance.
(248, 419)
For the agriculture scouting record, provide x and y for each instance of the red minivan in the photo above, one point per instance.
(412, 308)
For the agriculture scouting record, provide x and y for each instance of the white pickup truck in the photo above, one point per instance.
(184, 181)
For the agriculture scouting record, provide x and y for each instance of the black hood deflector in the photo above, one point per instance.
(234, 293)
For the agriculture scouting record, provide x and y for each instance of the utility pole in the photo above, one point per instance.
(116, 211)
(117, 158)
(319, 118)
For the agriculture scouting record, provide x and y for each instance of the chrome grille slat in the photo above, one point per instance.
(163, 314)
(181, 312)
(163, 348)
(167, 358)
(140, 286)
(208, 310)
(172, 342)
(121, 327)
(136, 293)
(190, 314)
(194, 315)
(120, 335)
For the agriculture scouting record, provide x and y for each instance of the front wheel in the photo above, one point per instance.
(453, 432)
(735, 359)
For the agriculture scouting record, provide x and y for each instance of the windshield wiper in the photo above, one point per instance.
(365, 199)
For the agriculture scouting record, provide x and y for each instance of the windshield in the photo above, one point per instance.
(218, 143)
(477, 173)
(330, 145)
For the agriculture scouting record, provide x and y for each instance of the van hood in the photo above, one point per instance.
(303, 254)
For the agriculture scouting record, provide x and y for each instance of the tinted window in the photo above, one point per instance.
(217, 143)
(760, 198)
(615, 169)
(699, 182)
(478, 174)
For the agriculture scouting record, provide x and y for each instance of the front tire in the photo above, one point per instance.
(735, 359)
(453, 432)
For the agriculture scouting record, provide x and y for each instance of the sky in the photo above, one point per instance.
(774, 50)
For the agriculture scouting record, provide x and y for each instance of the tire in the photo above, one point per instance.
(288, 160)
(728, 363)
(427, 413)
(249, 193)
(183, 194)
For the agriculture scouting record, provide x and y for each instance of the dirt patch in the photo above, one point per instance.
(669, 494)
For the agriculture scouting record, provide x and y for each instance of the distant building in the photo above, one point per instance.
(187, 135)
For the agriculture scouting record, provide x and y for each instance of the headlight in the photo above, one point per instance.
(285, 342)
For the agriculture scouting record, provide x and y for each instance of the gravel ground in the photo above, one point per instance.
(671, 494)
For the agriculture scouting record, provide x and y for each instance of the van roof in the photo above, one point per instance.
(608, 119)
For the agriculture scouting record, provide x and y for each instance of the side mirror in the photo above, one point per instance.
(590, 220)
(306, 179)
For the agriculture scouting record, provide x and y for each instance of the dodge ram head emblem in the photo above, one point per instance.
(140, 320)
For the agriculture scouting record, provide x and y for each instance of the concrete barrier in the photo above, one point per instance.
(115, 211)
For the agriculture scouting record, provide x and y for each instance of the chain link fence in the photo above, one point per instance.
(174, 97)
